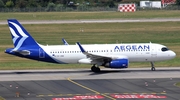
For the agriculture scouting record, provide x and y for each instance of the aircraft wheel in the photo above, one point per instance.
(153, 68)
(95, 69)
(98, 69)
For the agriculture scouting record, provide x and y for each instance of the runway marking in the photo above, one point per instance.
(69, 94)
(82, 86)
(1, 98)
(90, 89)
(84, 97)
(136, 93)
(41, 95)
(63, 94)
(128, 96)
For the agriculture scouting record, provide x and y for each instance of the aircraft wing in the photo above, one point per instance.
(96, 57)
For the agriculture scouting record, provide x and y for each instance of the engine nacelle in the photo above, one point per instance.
(118, 63)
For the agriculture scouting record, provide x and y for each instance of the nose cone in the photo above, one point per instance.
(173, 54)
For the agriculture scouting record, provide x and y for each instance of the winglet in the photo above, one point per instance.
(64, 41)
(81, 48)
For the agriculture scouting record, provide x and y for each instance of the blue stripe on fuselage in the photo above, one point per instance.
(34, 54)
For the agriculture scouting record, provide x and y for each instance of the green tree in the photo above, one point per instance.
(50, 7)
(43, 3)
(110, 3)
(1, 4)
(9, 4)
(177, 2)
(32, 3)
(21, 3)
(59, 7)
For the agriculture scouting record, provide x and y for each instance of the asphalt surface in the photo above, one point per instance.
(82, 84)
(94, 21)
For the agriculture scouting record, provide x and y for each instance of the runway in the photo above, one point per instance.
(82, 84)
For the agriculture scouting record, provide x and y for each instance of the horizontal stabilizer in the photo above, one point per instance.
(23, 52)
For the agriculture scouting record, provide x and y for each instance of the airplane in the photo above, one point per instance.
(108, 55)
(64, 41)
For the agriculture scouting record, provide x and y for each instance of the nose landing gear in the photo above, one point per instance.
(152, 66)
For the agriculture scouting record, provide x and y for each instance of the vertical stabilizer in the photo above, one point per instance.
(20, 37)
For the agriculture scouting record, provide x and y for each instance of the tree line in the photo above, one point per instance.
(64, 3)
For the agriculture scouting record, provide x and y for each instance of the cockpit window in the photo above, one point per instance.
(164, 49)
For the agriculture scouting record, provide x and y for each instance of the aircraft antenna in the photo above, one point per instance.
(117, 41)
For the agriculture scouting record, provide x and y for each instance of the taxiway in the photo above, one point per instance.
(95, 21)
(82, 84)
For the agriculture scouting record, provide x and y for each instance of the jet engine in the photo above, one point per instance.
(117, 63)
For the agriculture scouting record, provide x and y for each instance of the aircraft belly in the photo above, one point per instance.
(139, 58)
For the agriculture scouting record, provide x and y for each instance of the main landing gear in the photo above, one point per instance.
(152, 66)
(94, 68)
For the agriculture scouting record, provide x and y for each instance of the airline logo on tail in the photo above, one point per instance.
(18, 35)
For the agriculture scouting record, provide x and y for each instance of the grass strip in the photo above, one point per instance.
(178, 84)
(89, 15)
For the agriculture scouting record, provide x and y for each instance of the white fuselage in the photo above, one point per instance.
(107, 55)
(136, 52)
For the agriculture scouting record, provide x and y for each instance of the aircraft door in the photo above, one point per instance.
(41, 53)
(153, 51)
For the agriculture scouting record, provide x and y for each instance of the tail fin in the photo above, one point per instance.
(20, 36)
